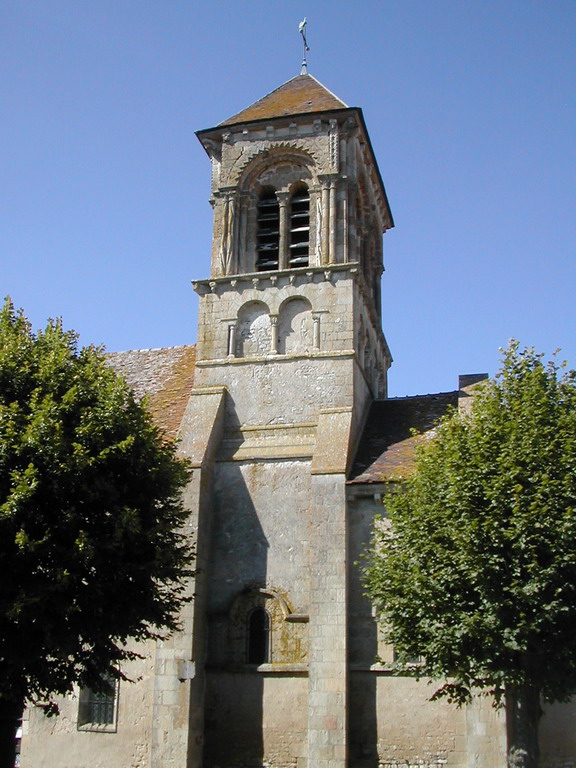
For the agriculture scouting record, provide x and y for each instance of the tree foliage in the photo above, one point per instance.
(475, 569)
(92, 551)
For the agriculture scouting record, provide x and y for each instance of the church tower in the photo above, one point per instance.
(290, 354)
(299, 210)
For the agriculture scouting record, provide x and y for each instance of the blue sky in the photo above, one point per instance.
(471, 107)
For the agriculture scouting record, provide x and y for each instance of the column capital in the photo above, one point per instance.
(225, 193)
(283, 197)
(328, 179)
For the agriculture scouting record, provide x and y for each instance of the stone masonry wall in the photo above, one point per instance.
(260, 555)
(57, 742)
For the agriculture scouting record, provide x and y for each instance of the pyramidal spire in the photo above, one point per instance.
(299, 95)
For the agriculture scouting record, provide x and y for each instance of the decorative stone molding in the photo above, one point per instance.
(257, 155)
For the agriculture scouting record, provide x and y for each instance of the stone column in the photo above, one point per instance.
(325, 253)
(232, 339)
(241, 234)
(284, 231)
(273, 334)
(345, 255)
(226, 251)
(333, 221)
(316, 331)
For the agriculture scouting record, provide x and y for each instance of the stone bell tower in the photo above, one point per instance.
(290, 354)
(298, 200)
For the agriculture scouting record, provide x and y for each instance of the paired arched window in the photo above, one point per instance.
(276, 249)
(258, 637)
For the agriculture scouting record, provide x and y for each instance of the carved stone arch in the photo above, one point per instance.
(253, 330)
(257, 595)
(280, 168)
(283, 174)
(251, 164)
(295, 326)
(297, 186)
(285, 642)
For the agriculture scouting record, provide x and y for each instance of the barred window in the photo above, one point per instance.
(97, 710)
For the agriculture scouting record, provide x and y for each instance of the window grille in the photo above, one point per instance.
(299, 229)
(268, 235)
(98, 708)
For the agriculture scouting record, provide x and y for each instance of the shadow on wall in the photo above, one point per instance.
(234, 687)
(363, 646)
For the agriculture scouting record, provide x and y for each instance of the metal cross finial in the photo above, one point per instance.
(302, 30)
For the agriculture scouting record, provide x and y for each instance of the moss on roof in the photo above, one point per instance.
(387, 448)
(164, 376)
(299, 95)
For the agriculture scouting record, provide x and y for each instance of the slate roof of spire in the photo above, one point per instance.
(164, 376)
(300, 95)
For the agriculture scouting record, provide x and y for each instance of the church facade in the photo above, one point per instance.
(282, 409)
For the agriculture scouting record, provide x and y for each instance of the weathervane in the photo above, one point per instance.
(302, 30)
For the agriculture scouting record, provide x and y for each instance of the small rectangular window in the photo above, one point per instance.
(97, 710)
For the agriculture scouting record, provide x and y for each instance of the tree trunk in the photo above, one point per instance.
(10, 713)
(523, 713)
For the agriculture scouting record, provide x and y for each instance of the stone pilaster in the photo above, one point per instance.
(178, 720)
(328, 677)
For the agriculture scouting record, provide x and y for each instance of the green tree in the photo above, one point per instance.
(92, 544)
(475, 569)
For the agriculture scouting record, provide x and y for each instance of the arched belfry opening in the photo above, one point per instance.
(299, 226)
(276, 231)
(283, 232)
(268, 231)
(295, 185)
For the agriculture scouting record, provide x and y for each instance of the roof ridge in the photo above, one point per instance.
(150, 349)
(326, 89)
(413, 397)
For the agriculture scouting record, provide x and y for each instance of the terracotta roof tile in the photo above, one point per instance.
(164, 376)
(387, 447)
(299, 95)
